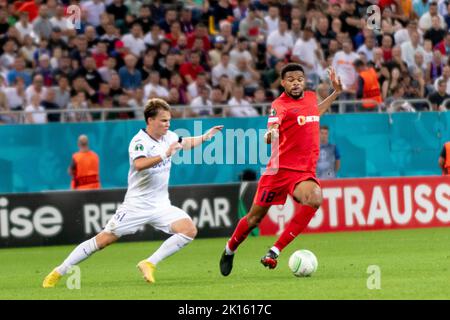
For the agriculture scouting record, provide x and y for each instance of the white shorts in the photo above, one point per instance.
(127, 219)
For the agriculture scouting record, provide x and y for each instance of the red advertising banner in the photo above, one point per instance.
(371, 204)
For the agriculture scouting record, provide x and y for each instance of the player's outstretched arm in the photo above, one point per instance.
(148, 162)
(337, 86)
(192, 142)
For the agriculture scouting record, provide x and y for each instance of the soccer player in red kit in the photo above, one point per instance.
(293, 131)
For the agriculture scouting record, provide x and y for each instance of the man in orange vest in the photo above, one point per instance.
(368, 86)
(85, 167)
(444, 159)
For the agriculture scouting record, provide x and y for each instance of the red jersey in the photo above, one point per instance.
(299, 128)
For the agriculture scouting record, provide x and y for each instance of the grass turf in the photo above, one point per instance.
(414, 264)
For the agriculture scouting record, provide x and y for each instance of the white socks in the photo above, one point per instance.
(83, 251)
(228, 250)
(276, 250)
(169, 247)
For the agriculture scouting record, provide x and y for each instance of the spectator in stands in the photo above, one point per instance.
(425, 21)
(438, 97)
(323, 34)
(186, 21)
(80, 52)
(446, 77)
(153, 89)
(130, 77)
(272, 78)
(215, 53)
(241, 51)
(444, 45)
(94, 8)
(350, 19)
(24, 26)
(239, 106)
(409, 48)
(273, 19)
(329, 161)
(435, 67)
(41, 25)
(223, 68)
(279, 44)
(201, 105)
(8, 56)
(307, 53)
(170, 16)
(260, 101)
(45, 70)
(436, 33)
(36, 89)
(134, 7)
(397, 102)
(189, 70)
(49, 104)
(252, 26)
(343, 64)
(170, 66)
(296, 30)
(15, 94)
(4, 107)
(250, 76)
(193, 88)
(368, 46)
(444, 159)
(34, 112)
(134, 41)
(119, 11)
(18, 70)
(85, 167)
(62, 92)
(77, 108)
(60, 21)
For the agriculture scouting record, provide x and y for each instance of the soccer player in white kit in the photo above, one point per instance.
(147, 197)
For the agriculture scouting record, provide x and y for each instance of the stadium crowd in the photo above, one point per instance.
(202, 54)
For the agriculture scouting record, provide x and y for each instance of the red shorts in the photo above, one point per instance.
(273, 189)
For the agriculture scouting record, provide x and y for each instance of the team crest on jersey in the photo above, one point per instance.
(273, 112)
(139, 147)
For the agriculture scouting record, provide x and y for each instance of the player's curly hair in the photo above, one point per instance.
(153, 106)
(291, 67)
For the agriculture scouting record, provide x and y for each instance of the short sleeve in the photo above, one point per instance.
(137, 149)
(276, 115)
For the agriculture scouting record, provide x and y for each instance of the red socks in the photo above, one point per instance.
(240, 234)
(298, 223)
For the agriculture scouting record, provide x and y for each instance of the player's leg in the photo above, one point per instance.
(309, 194)
(180, 225)
(80, 253)
(243, 229)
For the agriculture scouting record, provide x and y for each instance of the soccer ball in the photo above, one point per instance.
(303, 263)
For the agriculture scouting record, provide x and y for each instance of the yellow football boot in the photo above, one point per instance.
(51, 279)
(148, 270)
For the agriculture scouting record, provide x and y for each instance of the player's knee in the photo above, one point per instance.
(104, 239)
(315, 201)
(189, 231)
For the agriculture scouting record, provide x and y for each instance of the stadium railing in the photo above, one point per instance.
(338, 106)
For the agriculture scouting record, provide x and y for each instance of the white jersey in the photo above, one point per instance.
(148, 188)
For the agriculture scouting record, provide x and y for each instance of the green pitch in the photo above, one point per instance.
(413, 264)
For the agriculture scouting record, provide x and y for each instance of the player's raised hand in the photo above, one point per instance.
(173, 148)
(211, 132)
(335, 80)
